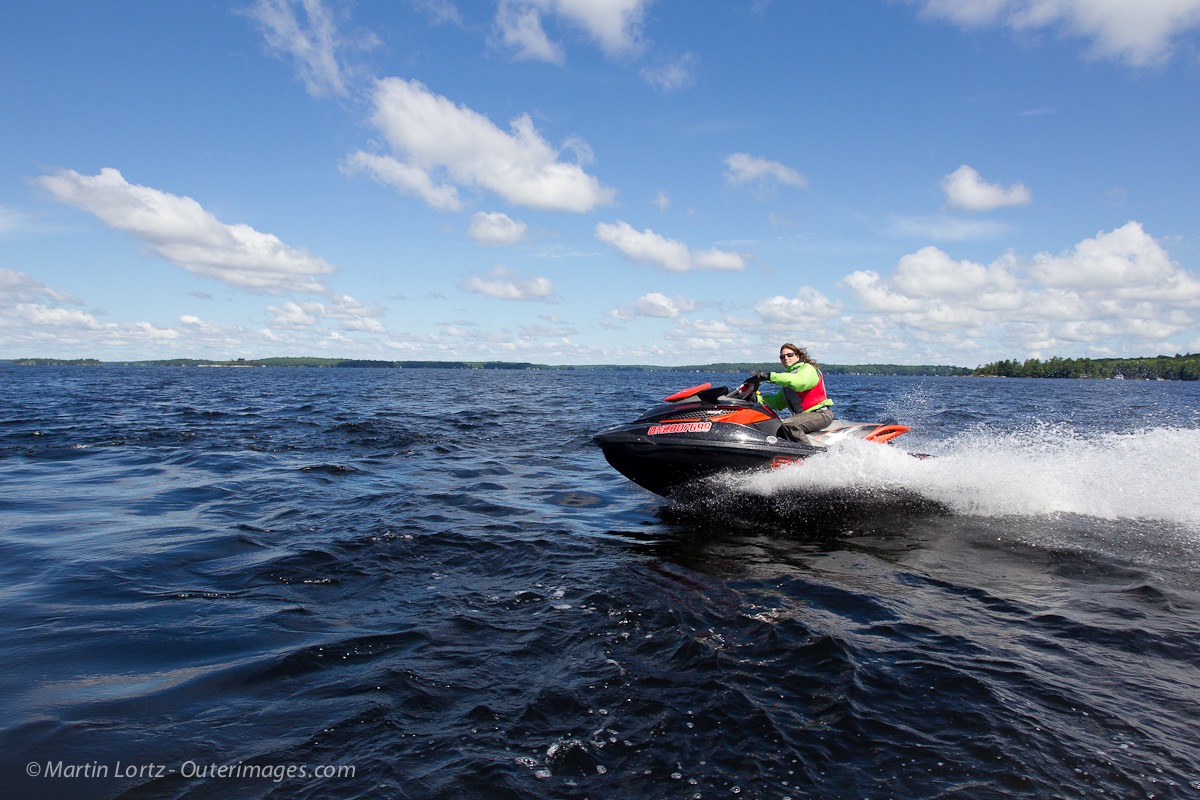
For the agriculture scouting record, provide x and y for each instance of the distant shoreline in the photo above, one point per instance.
(1177, 367)
(323, 363)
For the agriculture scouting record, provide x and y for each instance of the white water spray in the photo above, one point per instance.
(1044, 469)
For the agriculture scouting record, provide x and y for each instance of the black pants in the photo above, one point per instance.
(799, 425)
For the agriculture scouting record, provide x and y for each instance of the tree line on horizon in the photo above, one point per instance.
(1168, 368)
(1177, 367)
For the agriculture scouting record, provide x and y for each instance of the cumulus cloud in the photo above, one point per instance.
(503, 283)
(350, 315)
(874, 293)
(439, 147)
(38, 315)
(37, 319)
(806, 305)
(657, 304)
(615, 25)
(295, 315)
(1140, 33)
(1126, 263)
(705, 336)
(647, 247)
(929, 272)
(41, 324)
(966, 189)
(181, 231)
(408, 179)
(496, 228)
(1115, 291)
(744, 168)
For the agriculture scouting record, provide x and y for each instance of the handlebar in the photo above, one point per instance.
(747, 390)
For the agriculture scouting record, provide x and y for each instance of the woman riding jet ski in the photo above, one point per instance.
(803, 392)
(703, 431)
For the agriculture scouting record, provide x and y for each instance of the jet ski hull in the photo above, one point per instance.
(701, 432)
(664, 465)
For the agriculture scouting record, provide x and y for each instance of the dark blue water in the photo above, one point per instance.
(429, 584)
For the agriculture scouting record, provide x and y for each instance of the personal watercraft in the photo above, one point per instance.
(705, 430)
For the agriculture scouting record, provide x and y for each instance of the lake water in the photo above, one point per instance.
(238, 583)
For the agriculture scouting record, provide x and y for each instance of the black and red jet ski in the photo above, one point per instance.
(705, 430)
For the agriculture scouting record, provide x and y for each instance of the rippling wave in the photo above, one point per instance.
(432, 582)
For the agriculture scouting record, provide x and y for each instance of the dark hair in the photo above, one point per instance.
(799, 351)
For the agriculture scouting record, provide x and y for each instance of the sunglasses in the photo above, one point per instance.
(786, 356)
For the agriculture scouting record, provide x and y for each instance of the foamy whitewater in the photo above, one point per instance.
(1038, 470)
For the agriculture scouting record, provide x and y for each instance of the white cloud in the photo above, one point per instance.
(1125, 263)
(1140, 33)
(520, 28)
(647, 247)
(362, 324)
(668, 76)
(705, 337)
(406, 178)
(460, 331)
(38, 315)
(614, 24)
(440, 12)
(296, 315)
(305, 31)
(503, 283)
(181, 231)
(874, 293)
(966, 189)
(1116, 292)
(745, 168)
(806, 305)
(349, 313)
(496, 228)
(439, 146)
(929, 272)
(34, 321)
(620, 314)
(656, 304)
(37, 324)
(17, 287)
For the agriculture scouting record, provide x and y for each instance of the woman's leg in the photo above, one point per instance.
(799, 425)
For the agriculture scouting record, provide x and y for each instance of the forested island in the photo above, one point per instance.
(1167, 368)
(1171, 368)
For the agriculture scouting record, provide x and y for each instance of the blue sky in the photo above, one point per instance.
(600, 181)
